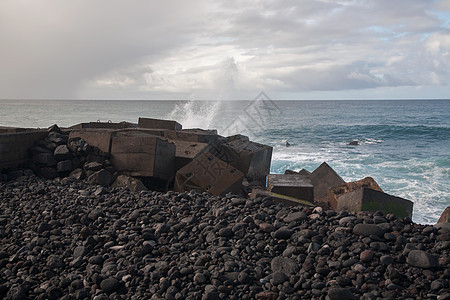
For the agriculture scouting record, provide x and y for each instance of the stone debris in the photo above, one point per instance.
(66, 239)
(160, 155)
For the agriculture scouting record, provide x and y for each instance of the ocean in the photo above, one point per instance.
(403, 144)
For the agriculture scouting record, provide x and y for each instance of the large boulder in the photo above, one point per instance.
(102, 177)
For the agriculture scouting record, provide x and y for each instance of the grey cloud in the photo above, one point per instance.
(137, 49)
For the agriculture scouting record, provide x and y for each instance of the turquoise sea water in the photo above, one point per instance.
(404, 145)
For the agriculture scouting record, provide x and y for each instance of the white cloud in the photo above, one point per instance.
(227, 49)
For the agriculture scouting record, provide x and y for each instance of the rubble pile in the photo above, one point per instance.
(66, 239)
(154, 211)
(160, 155)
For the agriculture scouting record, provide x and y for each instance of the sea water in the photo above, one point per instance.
(404, 145)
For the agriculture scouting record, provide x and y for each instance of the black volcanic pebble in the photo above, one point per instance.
(66, 239)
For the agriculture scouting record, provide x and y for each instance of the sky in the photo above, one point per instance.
(224, 49)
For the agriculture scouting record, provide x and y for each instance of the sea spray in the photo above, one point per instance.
(196, 114)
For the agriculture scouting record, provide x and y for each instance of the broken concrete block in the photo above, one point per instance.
(366, 199)
(289, 201)
(186, 152)
(445, 217)
(158, 124)
(236, 137)
(304, 172)
(335, 192)
(253, 159)
(104, 125)
(290, 172)
(207, 173)
(100, 138)
(134, 184)
(293, 185)
(324, 178)
(137, 153)
(192, 135)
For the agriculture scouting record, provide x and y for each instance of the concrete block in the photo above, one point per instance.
(237, 137)
(304, 172)
(293, 185)
(324, 178)
(253, 159)
(337, 191)
(158, 132)
(366, 199)
(207, 173)
(136, 153)
(192, 135)
(97, 137)
(104, 125)
(186, 152)
(287, 200)
(159, 124)
(14, 146)
(445, 217)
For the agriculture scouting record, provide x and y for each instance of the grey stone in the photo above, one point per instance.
(368, 230)
(340, 294)
(44, 159)
(283, 233)
(102, 177)
(295, 217)
(421, 259)
(284, 264)
(110, 285)
(64, 166)
(62, 153)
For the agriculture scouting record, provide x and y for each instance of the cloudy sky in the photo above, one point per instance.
(225, 49)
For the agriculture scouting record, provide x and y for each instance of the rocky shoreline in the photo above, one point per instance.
(67, 239)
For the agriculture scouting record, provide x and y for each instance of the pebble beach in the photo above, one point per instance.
(66, 239)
